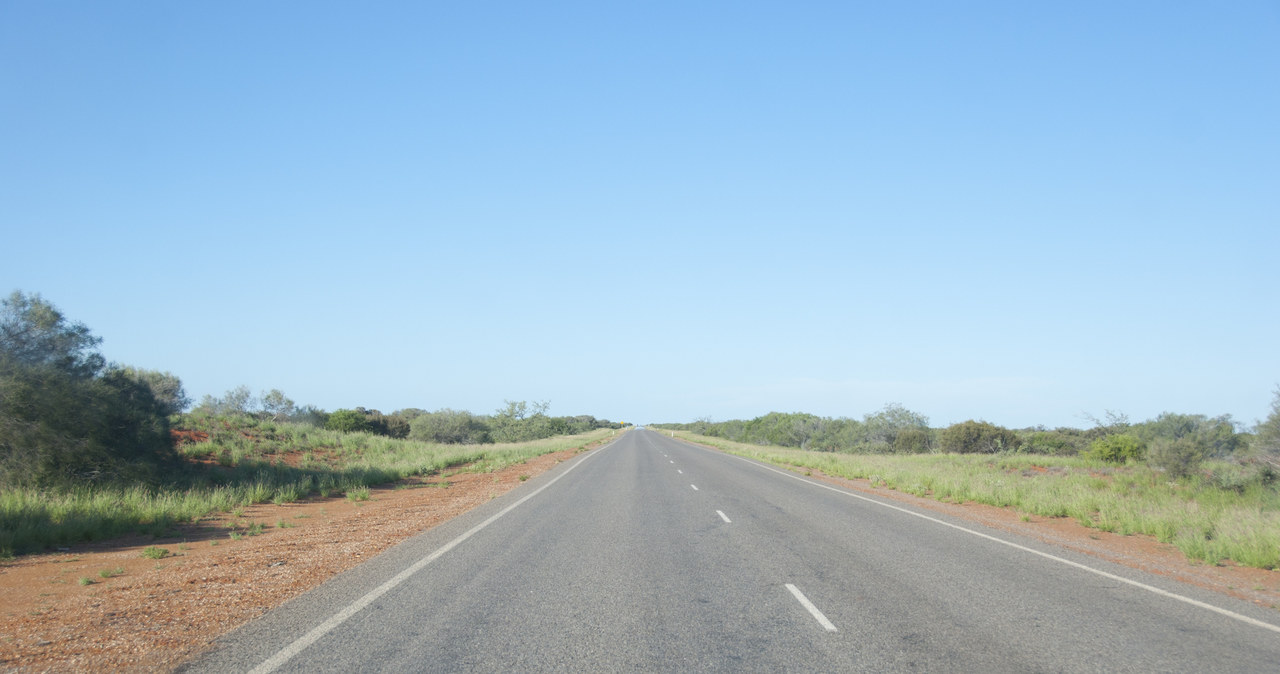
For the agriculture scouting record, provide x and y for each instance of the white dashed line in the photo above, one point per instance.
(724, 517)
(695, 487)
(813, 610)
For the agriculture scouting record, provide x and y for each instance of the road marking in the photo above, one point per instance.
(301, 643)
(813, 610)
(680, 471)
(671, 462)
(1121, 579)
(724, 516)
(695, 487)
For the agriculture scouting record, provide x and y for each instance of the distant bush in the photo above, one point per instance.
(347, 421)
(449, 427)
(977, 437)
(1178, 457)
(913, 441)
(1117, 448)
(1058, 442)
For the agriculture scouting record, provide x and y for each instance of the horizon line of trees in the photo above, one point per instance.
(515, 421)
(1173, 442)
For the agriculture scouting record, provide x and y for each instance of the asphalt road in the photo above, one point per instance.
(655, 555)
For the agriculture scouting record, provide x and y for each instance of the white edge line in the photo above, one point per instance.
(724, 517)
(813, 610)
(288, 652)
(1149, 588)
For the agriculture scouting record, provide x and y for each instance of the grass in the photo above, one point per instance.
(1214, 516)
(153, 552)
(245, 464)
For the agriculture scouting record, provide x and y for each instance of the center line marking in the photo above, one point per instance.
(813, 610)
(723, 516)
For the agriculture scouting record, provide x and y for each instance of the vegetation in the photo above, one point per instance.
(91, 450)
(66, 417)
(1225, 511)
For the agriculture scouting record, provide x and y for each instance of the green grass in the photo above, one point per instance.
(246, 471)
(153, 552)
(1216, 515)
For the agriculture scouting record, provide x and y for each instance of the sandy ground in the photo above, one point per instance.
(135, 613)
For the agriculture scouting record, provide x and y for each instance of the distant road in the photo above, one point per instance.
(655, 555)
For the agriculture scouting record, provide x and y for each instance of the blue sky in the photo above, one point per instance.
(1018, 212)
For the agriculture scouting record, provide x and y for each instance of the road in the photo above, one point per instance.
(652, 554)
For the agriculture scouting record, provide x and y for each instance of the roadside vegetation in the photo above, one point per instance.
(91, 450)
(1197, 482)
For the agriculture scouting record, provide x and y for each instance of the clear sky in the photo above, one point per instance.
(1012, 211)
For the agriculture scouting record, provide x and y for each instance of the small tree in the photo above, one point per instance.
(165, 387)
(1266, 441)
(277, 404)
(1177, 457)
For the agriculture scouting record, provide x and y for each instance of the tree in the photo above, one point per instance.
(165, 387)
(882, 428)
(1266, 441)
(977, 437)
(447, 426)
(277, 404)
(33, 333)
(63, 420)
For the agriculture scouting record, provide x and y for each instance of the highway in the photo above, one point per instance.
(651, 554)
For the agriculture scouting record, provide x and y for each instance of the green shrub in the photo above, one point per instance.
(1117, 449)
(67, 419)
(913, 441)
(347, 421)
(1060, 442)
(977, 437)
(1177, 458)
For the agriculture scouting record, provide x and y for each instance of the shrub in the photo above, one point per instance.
(347, 421)
(1177, 458)
(977, 437)
(64, 418)
(1117, 449)
(913, 441)
(1060, 442)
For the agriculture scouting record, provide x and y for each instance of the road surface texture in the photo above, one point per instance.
(652, 554)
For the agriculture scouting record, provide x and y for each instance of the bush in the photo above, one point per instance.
(449, 427)
(63, 420)
(347, 421)
(1177, 458)
(1059, 442)
(977, 437)
(913, 441)
(1117, 449)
